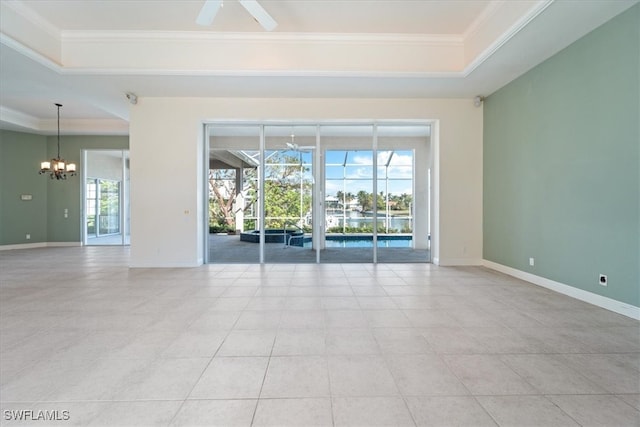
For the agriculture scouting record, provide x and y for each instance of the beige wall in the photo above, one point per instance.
(167, 162)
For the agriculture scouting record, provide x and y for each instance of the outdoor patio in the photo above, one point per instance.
(230, 249)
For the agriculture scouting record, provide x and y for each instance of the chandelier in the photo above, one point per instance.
(56, 167)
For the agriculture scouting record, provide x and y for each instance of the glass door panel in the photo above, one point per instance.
(402, 219)
(348, 194)
(106, 204)
(108, 220)
(288, 191)
(234, 194)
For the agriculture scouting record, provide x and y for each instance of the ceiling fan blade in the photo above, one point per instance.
(208, 12)
(259, 14)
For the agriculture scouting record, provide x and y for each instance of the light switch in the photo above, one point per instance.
(26, 197)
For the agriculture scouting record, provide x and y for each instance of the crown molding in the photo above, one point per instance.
(195, 36)
(35, 18)
(16, 120)
(30, 53)
(514, 29)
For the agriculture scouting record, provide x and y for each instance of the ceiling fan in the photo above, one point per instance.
(293, 146)
(211, 7)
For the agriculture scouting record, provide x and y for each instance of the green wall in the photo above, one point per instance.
(20, 158)
(561, 165)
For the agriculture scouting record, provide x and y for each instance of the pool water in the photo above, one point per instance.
(364, 242)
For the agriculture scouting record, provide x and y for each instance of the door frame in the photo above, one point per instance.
(318, 233)
(124, 202)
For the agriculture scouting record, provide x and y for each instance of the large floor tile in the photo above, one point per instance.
(360, 375)
(609, 371)
(452, 340)
(297, 342)
(205, 413)
(631, 399)
(387, 319)
(351, 341)
(487, 375)
(163, 379)
(371, 411)
(424, 375)
(263, 319)
(302, 319)
(139, 413)
(231, 378)
(598, 410)
(446, 411)
(401, 341)
(195, 343)
(296, 376)
(525, 411)
(248, 343)
(293, 412)
(549, 375)
(345, 319)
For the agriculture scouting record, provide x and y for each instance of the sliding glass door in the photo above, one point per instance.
(233, 183)
(402, 220)
(106, 194)
(348, 193)
(331, 193)
(288, 193)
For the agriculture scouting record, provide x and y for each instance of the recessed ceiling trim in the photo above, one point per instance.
(18, 118)
(15, 120)
(482, 18)
(30, 53)
(195, 36)
(32, 17)
(58, 68)
(505, 37)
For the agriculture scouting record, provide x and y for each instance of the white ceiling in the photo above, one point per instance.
(88, 54)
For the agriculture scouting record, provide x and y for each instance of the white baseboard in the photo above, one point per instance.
(23, 246)
(39, 245)
(63, 244)
(580, 294)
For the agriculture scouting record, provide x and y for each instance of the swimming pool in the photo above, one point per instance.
(341, 241)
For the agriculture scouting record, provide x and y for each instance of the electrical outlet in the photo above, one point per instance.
(602, 280)
(532, 262)
(28, 236)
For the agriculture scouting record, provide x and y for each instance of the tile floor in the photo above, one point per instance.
(303, 345)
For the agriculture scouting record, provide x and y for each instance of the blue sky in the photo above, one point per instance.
(358, 170)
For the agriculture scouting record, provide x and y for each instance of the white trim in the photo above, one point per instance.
(490, 10)
(33, 17)
(106, 36)
(18, 118)
(30, 53)
(505, 37)
(580, 294)
(23, 246)
(39, 245)
(63, 244)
